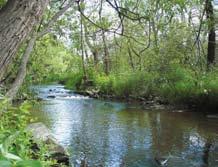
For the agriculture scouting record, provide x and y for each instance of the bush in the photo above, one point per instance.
(104, 83)
(183, 86)
(175, 84)
(126, 84)
(73, 81)
(15, 142)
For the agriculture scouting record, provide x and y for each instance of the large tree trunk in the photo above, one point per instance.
(22, 70)
(212, 34)
(21, 74)
(17, 20)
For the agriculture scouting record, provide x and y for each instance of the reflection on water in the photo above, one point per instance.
(116, 134)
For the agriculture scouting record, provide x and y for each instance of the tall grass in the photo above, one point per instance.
(127, 84)
(174, 85)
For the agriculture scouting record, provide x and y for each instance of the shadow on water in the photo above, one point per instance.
(113, 134)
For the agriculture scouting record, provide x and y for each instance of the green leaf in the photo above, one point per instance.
(25, 107)
(5, 163)
(12, 156)
(28, 163)
(8, 141)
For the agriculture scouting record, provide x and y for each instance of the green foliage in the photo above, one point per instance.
(175, 85)
(72, 80)
(50, 60)
(28, 163)
(126, 84)
(76, 80)
(2, 3)
(15, 142)
(160, 56)
(184, 86)
(105, 83)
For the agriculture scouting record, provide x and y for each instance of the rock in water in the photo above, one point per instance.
(41, 133)
(161, 161)
(51, 96)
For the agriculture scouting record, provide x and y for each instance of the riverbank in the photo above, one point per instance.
(146, 103)
(179, 88)
(205, 103)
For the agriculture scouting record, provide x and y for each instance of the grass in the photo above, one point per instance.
(175, 85)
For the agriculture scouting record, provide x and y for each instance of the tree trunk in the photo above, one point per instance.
(82, 49)
(93, 48)
(212, 34)
(22, 70)
(211, 47)
(23, 66)
(131, 58)
(95, 56)
(106, 55)
(17, 19)
(106, 51)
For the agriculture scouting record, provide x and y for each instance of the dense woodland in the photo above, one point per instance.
(162, 51)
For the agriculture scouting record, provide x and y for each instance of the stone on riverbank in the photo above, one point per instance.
(41, 133)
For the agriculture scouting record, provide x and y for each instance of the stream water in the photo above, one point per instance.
(115, 134)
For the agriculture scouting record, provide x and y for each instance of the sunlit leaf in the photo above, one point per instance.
(12, 156)
(28, 163)
(5, 163)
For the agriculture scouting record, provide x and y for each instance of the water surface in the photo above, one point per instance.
(114, 134)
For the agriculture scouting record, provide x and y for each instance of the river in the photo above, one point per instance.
(116, 134)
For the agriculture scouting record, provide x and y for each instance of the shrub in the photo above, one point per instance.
(71, 80)
(15, 142)
(126, 84)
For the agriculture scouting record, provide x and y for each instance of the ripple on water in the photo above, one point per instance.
(114, 134)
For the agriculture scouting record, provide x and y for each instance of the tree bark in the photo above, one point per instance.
(212, 34)
(82, 48)
(17, 19)
(211, 47)
(92, 47)
(23, 66)
(131, 58)
(106, 51)
(22, 70)
(106, 55)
